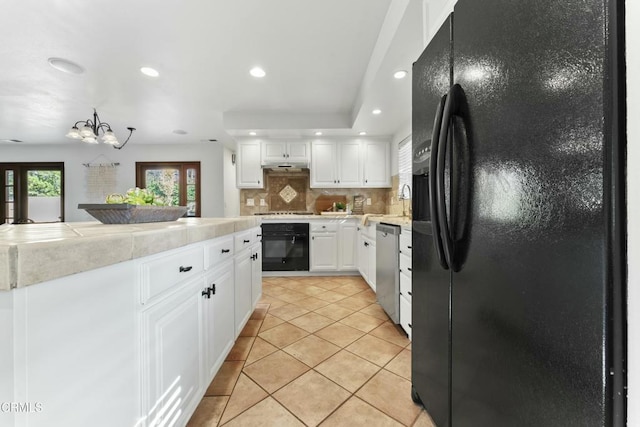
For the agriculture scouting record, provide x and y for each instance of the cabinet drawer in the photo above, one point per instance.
(405, 243)
(405, 315)
(218, 251)
(321, 227)
(405, 264)
(405, 286)
(244, 239)
(161, 273)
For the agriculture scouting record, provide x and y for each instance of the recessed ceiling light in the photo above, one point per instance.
(148, 71)
(318, 133)
(377, 111)
(65, 66)
(362, 133)
(252, 133)
(400, 74)
(179, 132)
(257, 72)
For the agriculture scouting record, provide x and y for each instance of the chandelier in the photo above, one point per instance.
(91, 130)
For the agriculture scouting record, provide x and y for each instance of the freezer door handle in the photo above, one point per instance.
(443, 140)
(433, 181)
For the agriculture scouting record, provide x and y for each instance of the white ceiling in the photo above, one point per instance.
(328, 64)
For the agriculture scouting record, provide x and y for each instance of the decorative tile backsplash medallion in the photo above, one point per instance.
(288, 194)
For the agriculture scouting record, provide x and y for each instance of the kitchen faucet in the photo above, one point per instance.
(402, 197)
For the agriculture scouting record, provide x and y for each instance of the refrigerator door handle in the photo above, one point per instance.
(433, 173)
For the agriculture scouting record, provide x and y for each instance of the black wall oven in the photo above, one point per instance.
(285, 247)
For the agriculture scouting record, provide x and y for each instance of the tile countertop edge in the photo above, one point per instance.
(95, 245)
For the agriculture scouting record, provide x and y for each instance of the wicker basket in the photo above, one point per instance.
(123, 213)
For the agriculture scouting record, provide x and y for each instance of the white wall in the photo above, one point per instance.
(633, 206)
(231, 192)
(74, 154)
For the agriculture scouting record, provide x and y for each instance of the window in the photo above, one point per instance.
(176, 183)
(404, 168)
(32, 192)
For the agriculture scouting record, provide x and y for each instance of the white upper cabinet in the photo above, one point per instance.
(276, 152)
(336, 164)
(377, 165)
(248, 168)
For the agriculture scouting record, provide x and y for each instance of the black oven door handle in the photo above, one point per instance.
(293, 240)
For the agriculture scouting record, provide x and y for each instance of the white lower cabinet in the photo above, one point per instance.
(256, 273)
(405, 280)
(347, 245)
(324, 255)
(367, 254)
(248, 276)
(172, 356)
(333, 245)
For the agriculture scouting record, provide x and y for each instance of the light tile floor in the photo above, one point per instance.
(317, 351)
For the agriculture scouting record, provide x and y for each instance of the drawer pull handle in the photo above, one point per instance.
(246, 241)
(408, 246)
(409, 293)
(212, 289)
(185, 269)
(409, 324)
(226, 251)
(206, 293)
(409, 268)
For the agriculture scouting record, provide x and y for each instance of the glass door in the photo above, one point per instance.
(176, 183)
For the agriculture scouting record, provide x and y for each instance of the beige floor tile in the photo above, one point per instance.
(246, 394)
(327, 284)
(292, 296)
(311, 350)
(288, 312)
(353, 303)
(339, 334)
(240, 349)
(367, 295)
(408, 347)
(311, 290)
(347, 290)
(208, 412)
(311, 303)
(374, 349)
(331, 296)
(225, 379)
(401, 364)
(334, 312)
(392, 395)
(424, 420)
(276, 370)
(348, 370)
(251, 328)
(376, 311)
(283, 335)
(270, 321)
(293, 284)
(260, 349)
(311, 322)
(260, 311)
(266, 413)
(391, 332)
(354, 412)
(362, 321)
(272, 301)
(311, 397)
(274, 290)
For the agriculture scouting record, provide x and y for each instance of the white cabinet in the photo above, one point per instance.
(347, 244)
(256, 272)
(333, 245)
(405, 280)
(248, 167)
(377, 164)
(248, 275)
(276, 153)
(367, 254)
(218, 315)
(172, 355)
(336, 164)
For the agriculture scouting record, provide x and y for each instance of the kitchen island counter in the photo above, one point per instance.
(35, 253)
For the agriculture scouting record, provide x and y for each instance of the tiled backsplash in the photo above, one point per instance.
(294, 187)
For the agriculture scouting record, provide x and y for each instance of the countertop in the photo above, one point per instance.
(34, 253)
(402, 221)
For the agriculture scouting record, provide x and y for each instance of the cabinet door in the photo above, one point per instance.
(172, 361)
(273, 152)
(219, 324)
(372, 264)
(363, 257)
(243, 275)
(298, 152)
(256, 275)
(377, 164)
(347, 246)
(349, 164)
(249, 170)
(323, 164)
(405, 315)
(323, 251)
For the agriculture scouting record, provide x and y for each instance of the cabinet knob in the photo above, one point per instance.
(408, 247)
(245, 241)
(409, 324)
(365, 181)
(409, 293)
(409, 268)
(185, 269)
(206, 293)
(226, 251)
(366, 244)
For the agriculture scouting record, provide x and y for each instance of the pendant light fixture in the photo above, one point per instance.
(90, 131)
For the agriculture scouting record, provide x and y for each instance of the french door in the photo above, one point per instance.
(32, 192)
(176, 183)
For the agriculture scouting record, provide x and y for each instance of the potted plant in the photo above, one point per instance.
(340, 206)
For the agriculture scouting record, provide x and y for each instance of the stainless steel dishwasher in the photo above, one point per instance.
(387, 271)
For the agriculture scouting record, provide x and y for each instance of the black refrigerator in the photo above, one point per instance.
(518, 313)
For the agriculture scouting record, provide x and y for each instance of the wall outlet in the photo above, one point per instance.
(368, 201)
(263, 202)
(251, 202)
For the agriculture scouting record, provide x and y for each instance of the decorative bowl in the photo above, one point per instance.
(124, 213)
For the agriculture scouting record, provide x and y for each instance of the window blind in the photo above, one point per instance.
(404, 166)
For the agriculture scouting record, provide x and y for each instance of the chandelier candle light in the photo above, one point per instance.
(91, 128)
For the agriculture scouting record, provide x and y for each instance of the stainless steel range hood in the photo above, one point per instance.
(288, 167)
